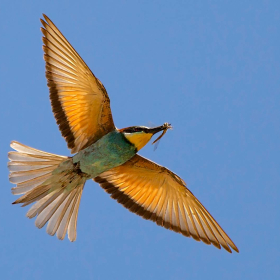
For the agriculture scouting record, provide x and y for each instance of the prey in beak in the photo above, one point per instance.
(163, 128)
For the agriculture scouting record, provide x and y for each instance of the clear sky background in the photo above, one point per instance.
(211, 69)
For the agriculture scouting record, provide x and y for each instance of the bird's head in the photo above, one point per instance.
(139, 136)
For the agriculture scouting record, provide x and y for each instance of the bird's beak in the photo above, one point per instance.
(157, 129)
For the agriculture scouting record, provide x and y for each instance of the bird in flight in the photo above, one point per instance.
(107, 155)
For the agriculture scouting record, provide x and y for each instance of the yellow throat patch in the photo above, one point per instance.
(138, 139)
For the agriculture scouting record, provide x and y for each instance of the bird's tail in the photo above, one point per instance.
(52, 182)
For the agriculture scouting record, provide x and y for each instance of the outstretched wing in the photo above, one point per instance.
(157, 194)
(79, 101)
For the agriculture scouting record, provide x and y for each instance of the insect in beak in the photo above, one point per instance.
(165, 127)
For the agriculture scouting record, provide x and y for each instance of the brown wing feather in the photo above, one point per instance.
(79, 101)
(157, 194)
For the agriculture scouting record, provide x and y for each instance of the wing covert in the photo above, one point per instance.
(157, 194)
(79, 100)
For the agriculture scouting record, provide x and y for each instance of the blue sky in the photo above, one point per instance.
(211, 69)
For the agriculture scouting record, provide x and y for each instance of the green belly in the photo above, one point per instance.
(110, 151)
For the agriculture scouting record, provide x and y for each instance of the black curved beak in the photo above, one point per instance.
(157, 129)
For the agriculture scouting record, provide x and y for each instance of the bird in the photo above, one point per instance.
(53, 184)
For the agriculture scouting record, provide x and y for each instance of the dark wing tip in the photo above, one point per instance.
(45, 17)
(227, 248)
(235, 249)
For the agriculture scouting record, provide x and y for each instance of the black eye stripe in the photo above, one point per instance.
(133, 129)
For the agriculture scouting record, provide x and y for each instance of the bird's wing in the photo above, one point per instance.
(155, 193)
(79, 100)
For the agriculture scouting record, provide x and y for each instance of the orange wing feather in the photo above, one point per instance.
(79, 101)
(157, 194)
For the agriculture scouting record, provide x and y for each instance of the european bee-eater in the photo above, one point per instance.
(107, 155)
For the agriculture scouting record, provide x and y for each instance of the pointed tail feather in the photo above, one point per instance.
(51, 181)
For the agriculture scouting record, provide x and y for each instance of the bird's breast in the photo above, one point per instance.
(110, 151)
